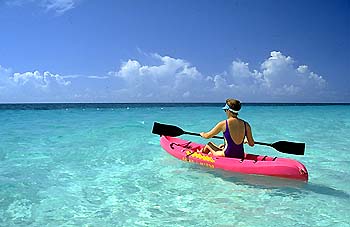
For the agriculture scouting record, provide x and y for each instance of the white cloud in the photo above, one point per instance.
(280, 71)
(278, 79)
(58, 6)
(31, 86)
(38, 80)
(98, 77)
(171, 78)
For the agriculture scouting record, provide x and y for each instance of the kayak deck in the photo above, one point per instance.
(250, 164)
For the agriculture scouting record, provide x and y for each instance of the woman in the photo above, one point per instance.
(236, 132)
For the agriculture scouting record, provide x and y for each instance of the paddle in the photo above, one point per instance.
(281, 146)
(172, 130)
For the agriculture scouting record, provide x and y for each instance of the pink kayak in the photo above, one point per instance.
(251, 164)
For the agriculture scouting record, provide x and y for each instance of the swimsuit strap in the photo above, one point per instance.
(227, 133)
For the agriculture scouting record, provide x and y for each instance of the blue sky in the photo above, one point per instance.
(174, 51)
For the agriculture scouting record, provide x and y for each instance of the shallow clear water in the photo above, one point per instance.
(100, 165)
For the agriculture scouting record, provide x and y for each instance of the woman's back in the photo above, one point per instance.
(237, 130)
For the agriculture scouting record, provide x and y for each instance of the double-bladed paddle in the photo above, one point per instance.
(281, 146)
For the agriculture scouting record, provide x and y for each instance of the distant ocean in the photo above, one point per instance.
(100, 165)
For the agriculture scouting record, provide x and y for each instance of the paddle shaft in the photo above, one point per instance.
(197, 134)
(261, 143)
(221, 137)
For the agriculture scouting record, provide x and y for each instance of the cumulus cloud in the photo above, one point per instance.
(31, 86)
(171, 79)
(168, 79)
(279, 71)
(37, 80)
(278, 79)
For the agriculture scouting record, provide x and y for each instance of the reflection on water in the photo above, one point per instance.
(280, 185)
(325, 190)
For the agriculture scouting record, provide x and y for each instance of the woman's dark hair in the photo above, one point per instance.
(234, 104)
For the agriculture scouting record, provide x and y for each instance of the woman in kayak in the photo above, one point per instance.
(236, 132)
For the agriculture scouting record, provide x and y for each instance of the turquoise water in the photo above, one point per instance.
(100, 165)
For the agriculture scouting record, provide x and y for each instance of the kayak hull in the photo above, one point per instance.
(251, 164)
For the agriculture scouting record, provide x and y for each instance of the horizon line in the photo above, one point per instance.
(33, 103)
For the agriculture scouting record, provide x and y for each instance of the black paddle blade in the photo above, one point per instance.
(166, 130)
(289, 147)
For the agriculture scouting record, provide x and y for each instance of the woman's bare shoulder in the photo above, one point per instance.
(221, 124)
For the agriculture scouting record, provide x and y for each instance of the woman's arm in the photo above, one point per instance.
(217, 129)
(250, 136)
